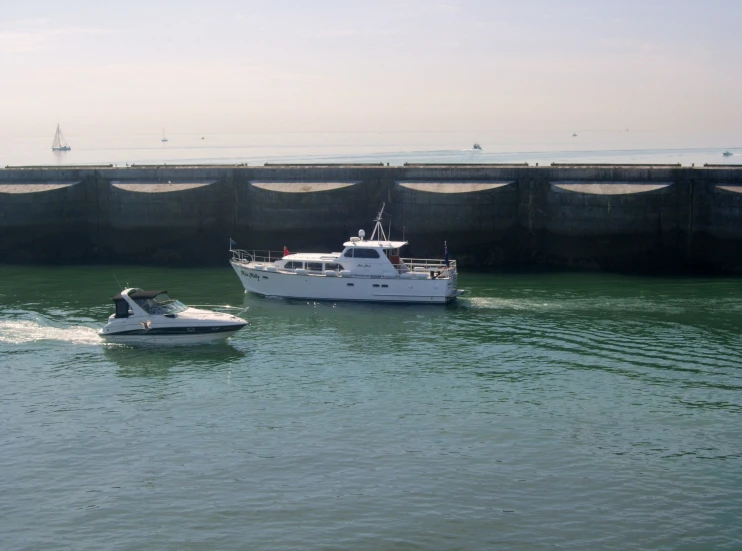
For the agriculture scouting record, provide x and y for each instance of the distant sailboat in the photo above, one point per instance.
(59, 143)
(477, 146)
(164, 138)
(727, 153)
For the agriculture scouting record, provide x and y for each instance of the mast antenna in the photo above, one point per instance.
(380, 236)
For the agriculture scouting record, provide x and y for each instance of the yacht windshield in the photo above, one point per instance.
(161, 304)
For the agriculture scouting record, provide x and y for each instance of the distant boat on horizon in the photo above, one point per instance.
(477, 147)
(164, 137)
(59, 143)
(727, 153)
(574, 135)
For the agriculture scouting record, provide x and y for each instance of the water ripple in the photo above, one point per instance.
(544, 411)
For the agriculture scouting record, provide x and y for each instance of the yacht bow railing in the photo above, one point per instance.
(428, 263)
(242, 256)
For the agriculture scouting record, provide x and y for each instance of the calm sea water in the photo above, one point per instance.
(588, 146)
(543, 411)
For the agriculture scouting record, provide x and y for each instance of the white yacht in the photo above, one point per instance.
(153, 317)
(366, 270)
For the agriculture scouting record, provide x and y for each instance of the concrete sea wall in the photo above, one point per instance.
(638, 218)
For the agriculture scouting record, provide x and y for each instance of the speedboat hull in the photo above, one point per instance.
(178, 337)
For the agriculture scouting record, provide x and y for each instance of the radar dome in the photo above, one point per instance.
(361, 234)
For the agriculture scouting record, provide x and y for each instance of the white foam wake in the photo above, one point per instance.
(25, 331)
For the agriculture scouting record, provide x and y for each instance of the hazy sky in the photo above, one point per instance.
(326, 65)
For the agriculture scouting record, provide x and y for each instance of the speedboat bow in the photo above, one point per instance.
(153, 317)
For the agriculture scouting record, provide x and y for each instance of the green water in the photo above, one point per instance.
(543, 411)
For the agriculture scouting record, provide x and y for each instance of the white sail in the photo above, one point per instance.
(59, 143)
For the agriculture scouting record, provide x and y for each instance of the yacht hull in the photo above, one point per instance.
(360, 289)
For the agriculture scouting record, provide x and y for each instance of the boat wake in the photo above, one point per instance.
(575, 305)
(491, 303)
(25, 331)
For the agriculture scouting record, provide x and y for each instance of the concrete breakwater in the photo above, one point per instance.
(614, 217)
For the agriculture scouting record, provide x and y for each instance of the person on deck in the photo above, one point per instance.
(286, 251)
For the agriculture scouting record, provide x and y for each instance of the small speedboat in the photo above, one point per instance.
(153, 317)
(727, 153)
(477, 146)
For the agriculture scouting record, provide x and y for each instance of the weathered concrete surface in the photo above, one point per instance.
(287, 213)
(716, 221)
(30, 212)
(627, 218)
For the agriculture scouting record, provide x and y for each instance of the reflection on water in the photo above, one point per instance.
(159, 361)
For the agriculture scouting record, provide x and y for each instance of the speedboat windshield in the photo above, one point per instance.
(161, 304)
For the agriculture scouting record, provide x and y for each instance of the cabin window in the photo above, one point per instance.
(348, 253)
(314, 266)
(293, 265)
(161, 304)
(332, 266)
(366, 253)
